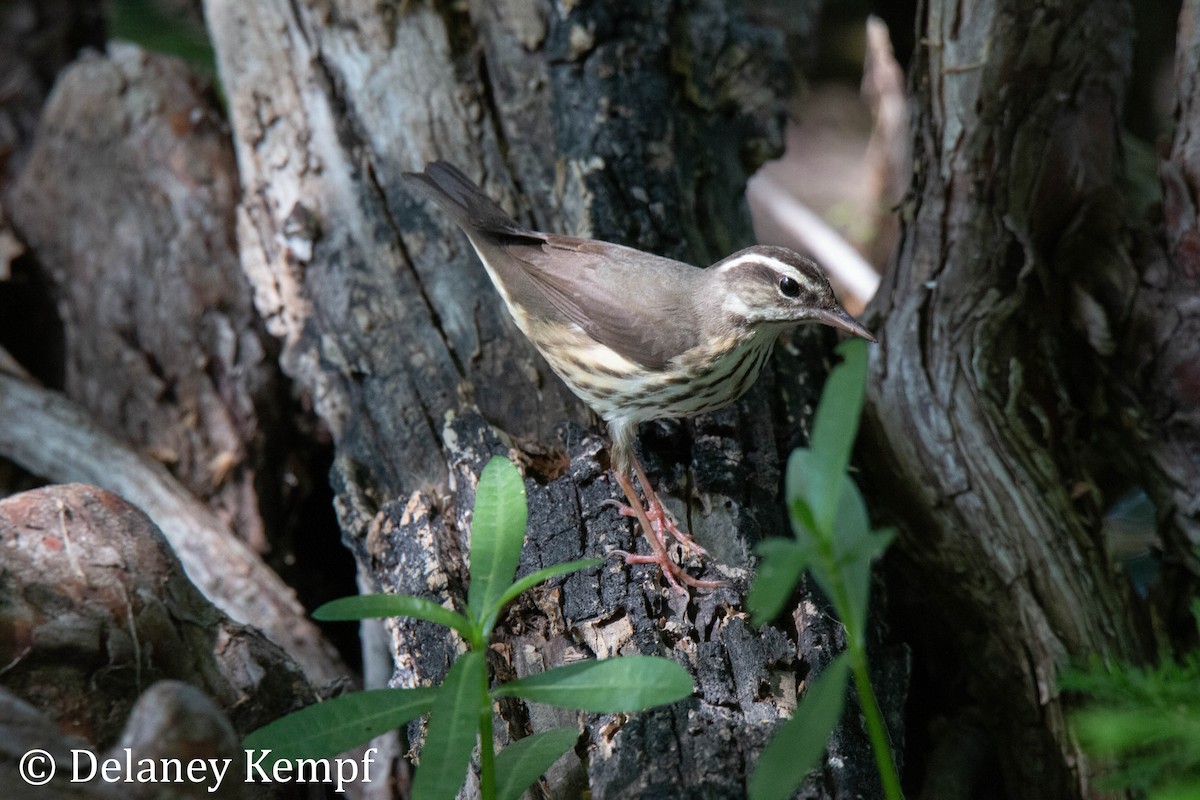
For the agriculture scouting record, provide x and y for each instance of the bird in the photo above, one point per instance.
(636, 336)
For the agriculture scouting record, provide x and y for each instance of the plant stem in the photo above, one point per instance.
(880, 741)
(487, 752)
(487, 758)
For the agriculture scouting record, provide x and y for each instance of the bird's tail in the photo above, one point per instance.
(465, 202)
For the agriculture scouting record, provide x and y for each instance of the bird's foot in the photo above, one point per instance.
(674, 573)
(655, 523)
(662, 522)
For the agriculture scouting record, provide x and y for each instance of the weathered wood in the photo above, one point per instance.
(52, 437)
(127, 201)
(96, 608)
(995, 427)
(1168, 310)
(173, 721)
(636, 126)
(37, 39)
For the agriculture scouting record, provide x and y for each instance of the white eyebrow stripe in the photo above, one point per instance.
(770, 261)
(781, 267)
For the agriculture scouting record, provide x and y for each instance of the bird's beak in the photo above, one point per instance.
(838, 318)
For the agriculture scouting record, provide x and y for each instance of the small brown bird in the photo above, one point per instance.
(636, 336)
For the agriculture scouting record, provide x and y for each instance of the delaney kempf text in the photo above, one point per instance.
(39, 767)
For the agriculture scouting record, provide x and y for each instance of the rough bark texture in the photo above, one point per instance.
(52, 437)
(96, 608)
(37, 39)
(127, 202)
(171, 720)
(1038, 359)
(638, 126)
(1169, 307)
(127, 199)
(1004, 416)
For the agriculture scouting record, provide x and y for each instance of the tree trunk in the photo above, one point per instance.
(1169, 310)
(638, 127)
(1005, 408)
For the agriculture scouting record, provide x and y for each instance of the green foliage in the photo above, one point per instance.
(632, 683)
(460, 709)
(520, 764)
(366, 606)
(835, 544)
(1144, 722)
(453, 724)
(151, 26)
(497, 532)
(339, 724)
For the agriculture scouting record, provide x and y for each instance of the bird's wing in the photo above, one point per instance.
(637, 304)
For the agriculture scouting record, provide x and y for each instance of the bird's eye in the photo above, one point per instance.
(789, 286)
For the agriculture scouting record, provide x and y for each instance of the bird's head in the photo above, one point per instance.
(765, 286)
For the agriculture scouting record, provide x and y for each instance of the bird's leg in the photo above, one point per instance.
(672, 571)
(659, 516)
(660, 519)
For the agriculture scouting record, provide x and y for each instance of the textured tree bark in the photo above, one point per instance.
(638, 126)
(1169, 307)
(96, 608)
(127, 200)
(37, 39)
(1038, 357)
(1004, 411)
(53, 438)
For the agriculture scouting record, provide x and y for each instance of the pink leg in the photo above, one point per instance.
(658, 515)
(654, 533)
(662, 522)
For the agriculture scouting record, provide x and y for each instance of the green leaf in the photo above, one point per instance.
(528, 582)
(851, 525)
(368, 606)
(325, 729)
(856, 579)
(805, 480)
(154, 27)
(627, 683)
(835, 423)
(524, 761)
(782, 562)
(800, 741)
(453, 728)
(497, 533)
(855, 548)
(1181, 790)
(804, 526)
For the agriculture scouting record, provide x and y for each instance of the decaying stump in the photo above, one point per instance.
(638, 127)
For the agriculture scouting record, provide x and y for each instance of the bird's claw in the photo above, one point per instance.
(662, 521)
(674, 573)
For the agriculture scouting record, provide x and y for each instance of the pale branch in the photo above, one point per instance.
(52, 437)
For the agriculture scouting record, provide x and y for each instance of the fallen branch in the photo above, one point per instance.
(48, 435)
